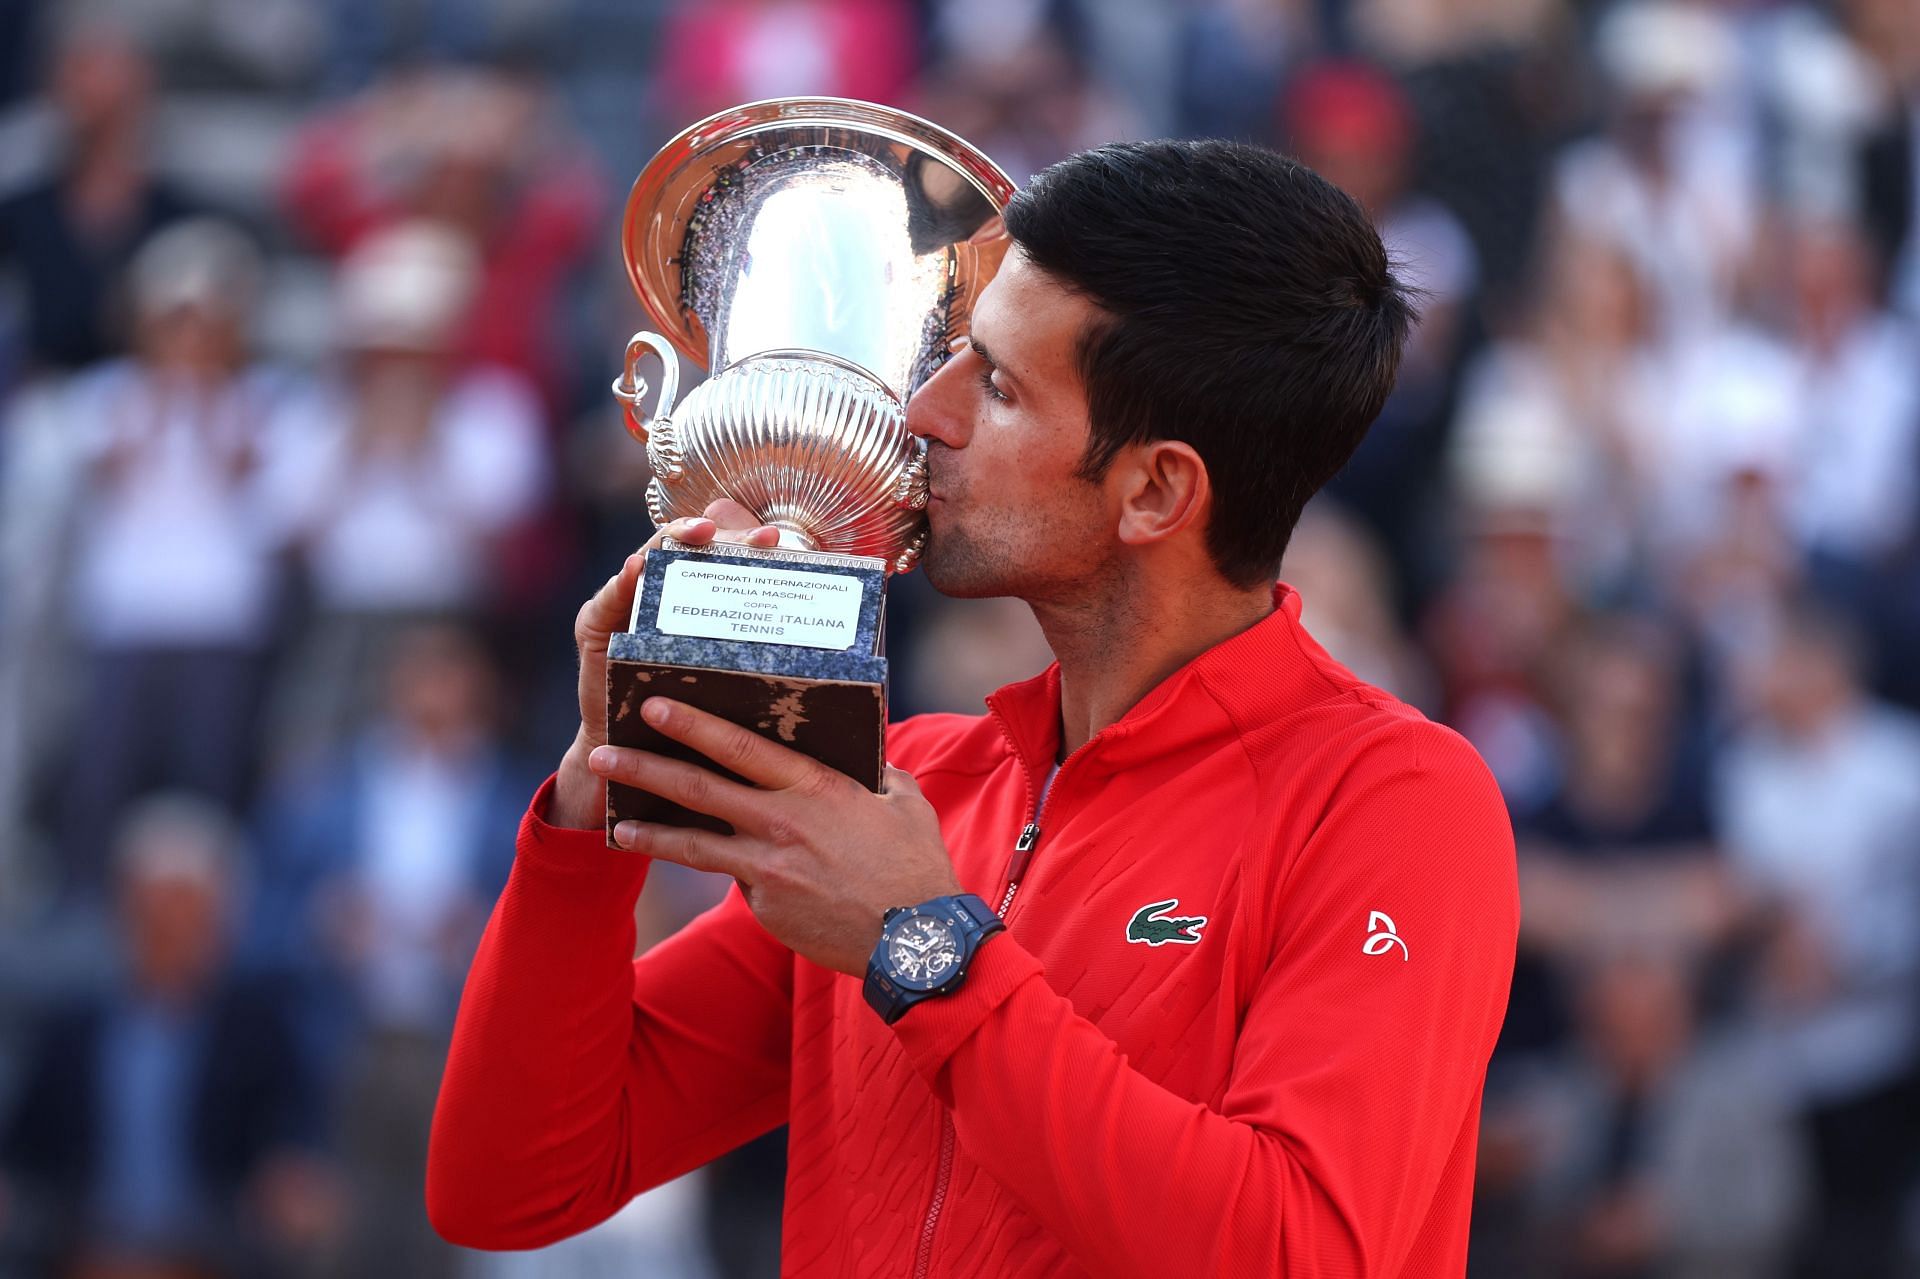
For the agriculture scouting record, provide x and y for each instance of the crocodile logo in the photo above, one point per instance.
(1152, 925)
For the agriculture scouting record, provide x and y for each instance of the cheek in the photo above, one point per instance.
(1026, 452)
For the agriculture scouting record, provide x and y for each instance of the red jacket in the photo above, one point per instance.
(1238, 1025)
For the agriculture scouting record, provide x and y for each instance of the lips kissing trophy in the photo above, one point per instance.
(820, 256)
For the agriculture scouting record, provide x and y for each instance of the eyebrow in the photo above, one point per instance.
(981, 351)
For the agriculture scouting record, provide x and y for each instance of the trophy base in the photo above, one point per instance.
(785, 643)
(841, 724)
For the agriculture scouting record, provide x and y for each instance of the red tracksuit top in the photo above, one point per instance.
(1255, 964)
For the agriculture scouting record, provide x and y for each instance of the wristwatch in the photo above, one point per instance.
(925, 951)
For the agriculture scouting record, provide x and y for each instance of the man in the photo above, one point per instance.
(168, 1123)
(70, 231)
(1260, 916)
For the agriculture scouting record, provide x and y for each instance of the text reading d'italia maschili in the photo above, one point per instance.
(754, 616)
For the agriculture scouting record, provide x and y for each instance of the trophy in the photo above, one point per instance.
(819, 256)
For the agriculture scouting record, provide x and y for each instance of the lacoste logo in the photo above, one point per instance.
(1150, 924)
(1381, 936)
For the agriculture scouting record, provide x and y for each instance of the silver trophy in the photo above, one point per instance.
(820, 256)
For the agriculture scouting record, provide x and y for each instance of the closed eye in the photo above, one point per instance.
(986, 384)
(987, 370)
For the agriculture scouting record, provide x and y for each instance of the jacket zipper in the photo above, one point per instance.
(923, 1255)
(1029, 840)
(1022, 856)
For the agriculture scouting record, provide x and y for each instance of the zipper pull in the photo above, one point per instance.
(1022, 854)
(1023, 851)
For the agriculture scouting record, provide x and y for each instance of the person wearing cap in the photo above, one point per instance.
(1672, 181)
(417, 463)
(174, 534)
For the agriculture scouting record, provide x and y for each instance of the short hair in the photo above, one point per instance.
(1249, 311)
(177, 835)
(200, 262)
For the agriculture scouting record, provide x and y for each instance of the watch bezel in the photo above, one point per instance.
(957, 938)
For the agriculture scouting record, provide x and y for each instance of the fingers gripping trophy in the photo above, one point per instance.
(820, 256)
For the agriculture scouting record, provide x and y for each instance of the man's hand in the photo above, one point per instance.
(580, 797)
(819, 857)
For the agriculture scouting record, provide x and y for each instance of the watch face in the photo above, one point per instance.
(923, 951)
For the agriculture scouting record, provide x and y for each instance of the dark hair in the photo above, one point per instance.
(1250, 312)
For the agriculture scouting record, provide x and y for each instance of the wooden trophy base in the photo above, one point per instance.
(717, 629)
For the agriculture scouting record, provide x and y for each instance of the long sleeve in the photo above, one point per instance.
(578, 1076)
(1356, 1074)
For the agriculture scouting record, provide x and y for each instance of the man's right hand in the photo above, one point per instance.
(580, 797)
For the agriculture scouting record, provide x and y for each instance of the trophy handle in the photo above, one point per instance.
(910, 554)
(910, 491)
(628, 388)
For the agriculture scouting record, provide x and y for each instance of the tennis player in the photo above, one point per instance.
(1184, 959)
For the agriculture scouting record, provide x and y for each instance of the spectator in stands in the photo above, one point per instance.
(1885, 163)
(1716, 495)
(1490, 633)
(1659, 1149)
(1672, 182)
(726, 52)
(168, 1128)
(1558, 415)
(176, 533)
(1624, 838)
(1229, 60)
(418, 465)
(480, 153)
(1632, 782)
(1819, 804)
(1346, 602)
(69, 234)
(1854, 475)
(1025, 102)
(1351, 123)
(378, 867)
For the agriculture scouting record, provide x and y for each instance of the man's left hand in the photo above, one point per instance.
(818, 856)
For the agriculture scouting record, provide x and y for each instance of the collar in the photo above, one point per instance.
(1271, 666)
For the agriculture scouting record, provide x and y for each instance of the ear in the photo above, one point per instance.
(1163, 490)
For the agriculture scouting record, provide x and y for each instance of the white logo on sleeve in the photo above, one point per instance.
(1381, 936)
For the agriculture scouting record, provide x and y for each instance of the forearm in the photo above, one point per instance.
(580, 1077)
(528, 1132)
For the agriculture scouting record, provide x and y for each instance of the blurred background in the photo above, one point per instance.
(307, 313)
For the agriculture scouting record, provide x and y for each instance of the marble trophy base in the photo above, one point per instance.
(786, 643)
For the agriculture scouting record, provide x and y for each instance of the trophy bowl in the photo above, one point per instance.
(820, 256)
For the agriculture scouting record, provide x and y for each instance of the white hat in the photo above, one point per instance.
(1657, 47)
(203, 263)
(406, 288)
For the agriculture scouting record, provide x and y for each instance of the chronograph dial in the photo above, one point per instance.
(924, 951)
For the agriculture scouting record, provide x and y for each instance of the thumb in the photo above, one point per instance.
(736, 523)
(898, 781)
(729, 514)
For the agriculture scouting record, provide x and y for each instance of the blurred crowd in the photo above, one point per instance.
(307, 315)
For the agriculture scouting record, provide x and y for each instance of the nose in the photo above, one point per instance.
(938, 410)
